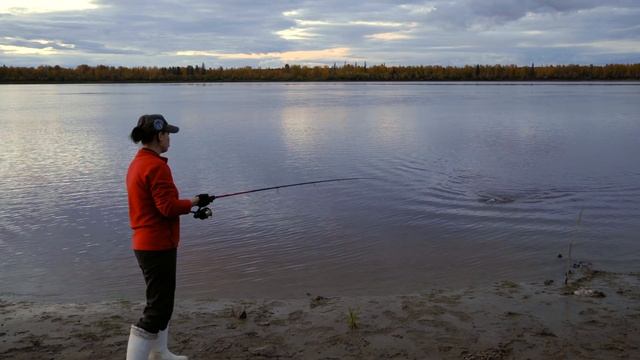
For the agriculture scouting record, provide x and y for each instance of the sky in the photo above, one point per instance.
(236, 33)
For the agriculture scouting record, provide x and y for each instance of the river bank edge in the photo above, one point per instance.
(595, 317)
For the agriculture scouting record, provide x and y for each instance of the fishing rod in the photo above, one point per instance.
(204, 212)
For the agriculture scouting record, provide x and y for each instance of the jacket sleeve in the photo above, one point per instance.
(165, 193)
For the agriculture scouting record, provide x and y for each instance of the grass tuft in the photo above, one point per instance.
(567, 270)
(352, 319)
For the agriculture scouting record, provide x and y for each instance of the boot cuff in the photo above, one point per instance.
(140, 332)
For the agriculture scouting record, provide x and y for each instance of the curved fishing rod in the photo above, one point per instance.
(205, 212)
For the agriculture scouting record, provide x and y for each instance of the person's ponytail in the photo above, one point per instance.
(137, 134)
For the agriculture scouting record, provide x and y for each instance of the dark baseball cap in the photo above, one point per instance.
(156, 122)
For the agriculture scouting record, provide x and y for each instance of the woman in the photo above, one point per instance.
(154, 210)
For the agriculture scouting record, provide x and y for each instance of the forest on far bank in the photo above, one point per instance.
(344, 72)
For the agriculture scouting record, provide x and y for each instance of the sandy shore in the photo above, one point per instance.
(505, 321)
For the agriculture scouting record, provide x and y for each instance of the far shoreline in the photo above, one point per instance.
(347, 72)
(631, 82)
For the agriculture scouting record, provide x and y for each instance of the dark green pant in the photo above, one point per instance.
(159, 270)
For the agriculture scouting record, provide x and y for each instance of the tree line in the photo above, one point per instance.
(345, 72)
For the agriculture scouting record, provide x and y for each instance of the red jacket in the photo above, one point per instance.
(154, 206)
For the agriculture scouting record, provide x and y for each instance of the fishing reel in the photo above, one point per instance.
(203, 213)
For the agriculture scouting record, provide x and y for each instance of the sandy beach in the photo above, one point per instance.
(595, 317)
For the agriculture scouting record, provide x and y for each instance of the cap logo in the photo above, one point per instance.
(158, 124)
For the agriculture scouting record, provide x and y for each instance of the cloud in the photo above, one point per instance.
(243, 32)
(617, 46)
(291, 13)
(294, 33)
(35, 42)
(604, 47)
(15, 46)
(390, 36)
(380, 23)
(418, 9)
(44, 6)
(286, 56)
(474, 14)
(314, 23)
(23, 50)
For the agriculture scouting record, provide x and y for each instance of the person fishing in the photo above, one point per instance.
(154, 211)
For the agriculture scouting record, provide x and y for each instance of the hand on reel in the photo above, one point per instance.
(203, 211)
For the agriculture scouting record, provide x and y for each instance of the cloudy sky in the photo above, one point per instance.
(234, 33)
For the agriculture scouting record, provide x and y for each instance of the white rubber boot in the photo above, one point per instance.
(140, 343)
(160, 350)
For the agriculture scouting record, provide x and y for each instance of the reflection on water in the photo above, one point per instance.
(299, 129)
(468, 184)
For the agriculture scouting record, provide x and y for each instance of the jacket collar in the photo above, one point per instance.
(149, 152)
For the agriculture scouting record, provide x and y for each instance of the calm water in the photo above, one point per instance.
(470, 184)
